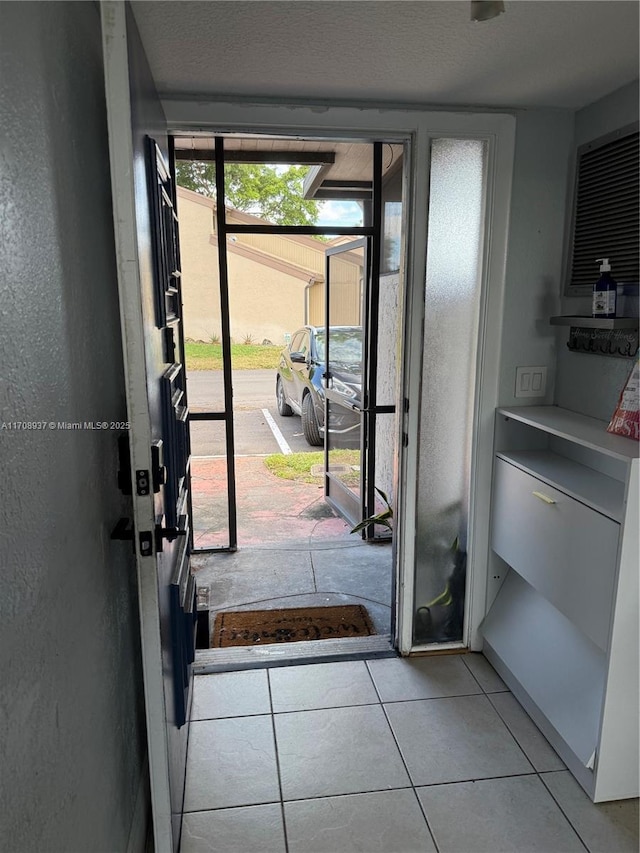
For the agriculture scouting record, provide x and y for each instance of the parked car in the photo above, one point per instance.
(300, 386)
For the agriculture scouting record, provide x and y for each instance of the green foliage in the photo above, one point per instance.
(256, 188)
(202, 356)
(297, 466)
(382, 518)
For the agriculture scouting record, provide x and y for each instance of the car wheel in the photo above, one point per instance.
(310, 423)
(283, 407)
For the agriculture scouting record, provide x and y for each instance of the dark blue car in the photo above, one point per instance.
(300, 386)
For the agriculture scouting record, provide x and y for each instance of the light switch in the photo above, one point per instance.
(531, 381)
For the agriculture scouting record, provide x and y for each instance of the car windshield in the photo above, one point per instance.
(345, 347)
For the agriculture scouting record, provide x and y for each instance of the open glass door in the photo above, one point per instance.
(346, 284)
(352, 289)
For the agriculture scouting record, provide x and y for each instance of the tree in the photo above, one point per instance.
(260, 189)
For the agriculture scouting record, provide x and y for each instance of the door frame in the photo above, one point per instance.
(161, 552)
(417, 127)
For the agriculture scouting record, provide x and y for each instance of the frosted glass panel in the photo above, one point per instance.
(454, 259)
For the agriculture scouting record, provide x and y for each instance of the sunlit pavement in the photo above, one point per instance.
(292, 550)
(270, 509)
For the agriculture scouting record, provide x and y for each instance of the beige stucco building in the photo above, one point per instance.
(276, 282)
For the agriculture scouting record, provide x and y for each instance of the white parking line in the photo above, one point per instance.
(275, 429)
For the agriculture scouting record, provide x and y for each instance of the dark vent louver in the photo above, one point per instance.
(606, 217)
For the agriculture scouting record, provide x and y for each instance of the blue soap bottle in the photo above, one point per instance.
(605, 291)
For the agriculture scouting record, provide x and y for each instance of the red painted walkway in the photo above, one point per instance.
(270, 509)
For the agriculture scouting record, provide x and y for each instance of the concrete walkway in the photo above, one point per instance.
(292, 550)
(269, 508)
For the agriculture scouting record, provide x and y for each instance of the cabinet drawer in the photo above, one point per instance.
(564, 549)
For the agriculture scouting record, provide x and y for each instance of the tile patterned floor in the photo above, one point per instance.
(395, 756)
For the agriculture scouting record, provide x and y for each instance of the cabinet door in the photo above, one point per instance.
(564, 549)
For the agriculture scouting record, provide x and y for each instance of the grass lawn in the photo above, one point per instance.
(243, 356)
(297, 466)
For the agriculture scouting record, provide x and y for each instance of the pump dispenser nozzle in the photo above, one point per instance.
(605, 266)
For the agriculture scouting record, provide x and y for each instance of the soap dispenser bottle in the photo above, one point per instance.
(605, 291)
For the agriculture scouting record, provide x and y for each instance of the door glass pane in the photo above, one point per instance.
(210, 509)
(392, 155)
(200, 285)
(389, 312)
(344, 386)
(385, 432)
(288, 181)
(454, 258)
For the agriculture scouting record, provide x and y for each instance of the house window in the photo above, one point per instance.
(605, 215)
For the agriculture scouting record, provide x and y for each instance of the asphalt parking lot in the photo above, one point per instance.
(253, 398)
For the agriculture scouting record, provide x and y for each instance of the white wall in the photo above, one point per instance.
(586, 382)
(71, 708)
(534, 256)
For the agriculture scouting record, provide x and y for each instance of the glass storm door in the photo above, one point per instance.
(350, 346)
(345, 283)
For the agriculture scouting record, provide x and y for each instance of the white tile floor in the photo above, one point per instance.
(389, 755)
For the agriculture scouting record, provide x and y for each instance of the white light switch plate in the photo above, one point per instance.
(531, 381)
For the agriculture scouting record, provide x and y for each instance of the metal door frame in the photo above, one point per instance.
(369, 306)
(371, 231)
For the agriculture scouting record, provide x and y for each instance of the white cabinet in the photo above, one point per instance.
(563, 628)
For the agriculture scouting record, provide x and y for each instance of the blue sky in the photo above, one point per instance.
(341, 213)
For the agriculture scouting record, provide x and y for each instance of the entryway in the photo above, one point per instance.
(430, 507)
(273, 502)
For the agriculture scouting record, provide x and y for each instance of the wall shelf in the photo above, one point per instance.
(590, 433)
(595, 322)
(617, 336)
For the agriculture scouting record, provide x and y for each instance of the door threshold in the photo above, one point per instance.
(292, 654)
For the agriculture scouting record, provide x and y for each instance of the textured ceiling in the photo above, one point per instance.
(553, 53)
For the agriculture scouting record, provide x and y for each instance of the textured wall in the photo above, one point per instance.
(71, 709)
(588, 383)
(534, 254)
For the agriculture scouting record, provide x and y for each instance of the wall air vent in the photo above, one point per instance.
(606, 218)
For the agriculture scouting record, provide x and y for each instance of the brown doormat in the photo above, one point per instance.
(293, 625)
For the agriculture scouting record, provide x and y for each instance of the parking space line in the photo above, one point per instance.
(275, 429)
